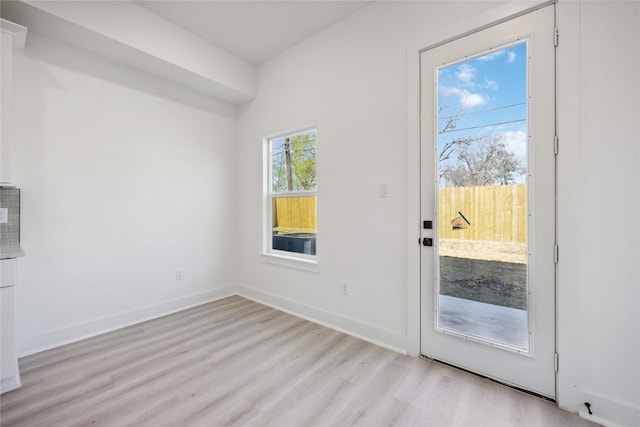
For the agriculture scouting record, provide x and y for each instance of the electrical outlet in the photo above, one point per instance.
(344, 288)
(179, 274)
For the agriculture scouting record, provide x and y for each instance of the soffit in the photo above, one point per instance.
(253, 30)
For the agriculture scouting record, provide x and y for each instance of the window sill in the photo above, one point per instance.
(291, 262)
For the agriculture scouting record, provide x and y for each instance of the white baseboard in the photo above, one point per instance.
(79, 331)
(10, 383)
(598, 420)
(607, 411)
(364, 331)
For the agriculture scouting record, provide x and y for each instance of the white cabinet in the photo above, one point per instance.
(13, 37)
(9, 373)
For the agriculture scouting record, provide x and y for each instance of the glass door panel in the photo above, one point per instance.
(482, 197)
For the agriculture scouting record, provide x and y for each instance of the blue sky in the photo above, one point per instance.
(485, 92)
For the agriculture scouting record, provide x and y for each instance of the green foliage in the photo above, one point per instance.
(302, 148)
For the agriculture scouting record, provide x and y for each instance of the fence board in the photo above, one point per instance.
(497, 213)
(295, 214)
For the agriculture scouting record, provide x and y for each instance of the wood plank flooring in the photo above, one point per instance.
(237, 362)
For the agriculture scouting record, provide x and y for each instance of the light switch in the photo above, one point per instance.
(4, 215)
(382, 191)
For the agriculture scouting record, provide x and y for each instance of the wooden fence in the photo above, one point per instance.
(496, 213)
(295, 214)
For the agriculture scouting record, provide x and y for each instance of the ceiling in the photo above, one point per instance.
(253, 30)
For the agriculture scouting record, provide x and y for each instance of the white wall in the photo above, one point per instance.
(599, 198)
(350, 81)
(124, 178)
(92, 136)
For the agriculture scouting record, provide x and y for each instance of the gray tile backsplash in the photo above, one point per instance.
(10, 232)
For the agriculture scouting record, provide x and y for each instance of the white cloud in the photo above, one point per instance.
(466, 73)
(466, 98)
(511, 56)
(515, 141)
(490, 84)
(491, 56)
(472, 100)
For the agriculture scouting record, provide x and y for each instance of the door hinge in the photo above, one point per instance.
(555, 362)
(555, 253)
(555, 145)
(556, 37)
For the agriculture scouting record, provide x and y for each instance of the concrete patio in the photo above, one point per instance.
(503, 325)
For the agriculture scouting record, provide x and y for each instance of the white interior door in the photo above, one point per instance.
(488, 188)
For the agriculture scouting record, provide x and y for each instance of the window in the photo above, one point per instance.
(291, 205)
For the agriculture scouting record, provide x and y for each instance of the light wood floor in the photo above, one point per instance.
(237, 362)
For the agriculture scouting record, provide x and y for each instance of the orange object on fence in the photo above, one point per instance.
(497, 213)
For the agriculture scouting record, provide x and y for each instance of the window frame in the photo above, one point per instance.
(276, 256)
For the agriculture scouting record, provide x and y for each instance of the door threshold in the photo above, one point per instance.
(511, 386)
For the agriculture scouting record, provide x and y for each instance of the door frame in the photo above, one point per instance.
(486, 20)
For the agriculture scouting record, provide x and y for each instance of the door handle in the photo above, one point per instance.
(427, 241)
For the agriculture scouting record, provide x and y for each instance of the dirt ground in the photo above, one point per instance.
(483, 250)
(491, 282)
(489, 272)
